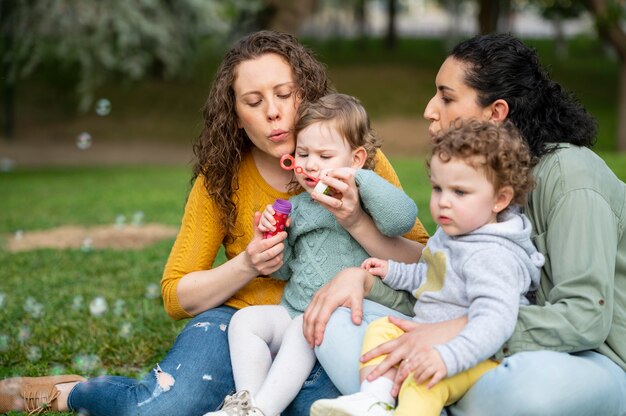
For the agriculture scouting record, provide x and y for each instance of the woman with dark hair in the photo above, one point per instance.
(249, 119)
(567, 354)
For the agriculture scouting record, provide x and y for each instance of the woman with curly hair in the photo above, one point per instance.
(567, 352)
(249, 119)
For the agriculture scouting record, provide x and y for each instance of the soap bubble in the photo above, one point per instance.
(137, 220)
(87, 245)
(4, 342)
(152, 291)
(34, 308)
(19, 234)
(103, 107)
(125, 330)
(83, 141)
(78, 302)
(6, 164)
(58, 370)
(98, 306)
(120, 220)
(33, 354)
(119, 308)
(23, 334)
(3, 298)
(86, 363)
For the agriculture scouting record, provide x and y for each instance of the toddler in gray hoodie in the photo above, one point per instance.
(480, 263)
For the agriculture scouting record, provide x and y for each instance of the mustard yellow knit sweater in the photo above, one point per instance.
(202, 233)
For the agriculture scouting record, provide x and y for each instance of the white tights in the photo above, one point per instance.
(257, 334)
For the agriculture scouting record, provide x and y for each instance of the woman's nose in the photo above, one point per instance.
(273, 111)
(429, 112)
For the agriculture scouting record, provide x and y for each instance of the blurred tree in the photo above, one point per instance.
(610, 16)
(284, 15)
(117, 38)
(391, 38)
(556, 11)
(490, 14)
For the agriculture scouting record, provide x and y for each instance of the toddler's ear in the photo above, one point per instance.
(504, 197)
(359, 156)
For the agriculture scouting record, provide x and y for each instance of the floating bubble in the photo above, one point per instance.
(137, 220)
(33, 354)
(119, 308)
(125, 330)
(87, 245)
(4, 342)
(120, 220)
(6, 164)
(3, 298)
(82, 412)
(83, 141)
(152, 291)
(86, 363)
(103, 107)
(23, 334)
(19, 234)
(98, 306)
(58, 369)
(34, 308)
(78, 302)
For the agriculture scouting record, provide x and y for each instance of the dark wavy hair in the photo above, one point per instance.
(500, 66)
(221, 145)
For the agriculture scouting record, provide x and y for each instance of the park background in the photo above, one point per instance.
(101, 102)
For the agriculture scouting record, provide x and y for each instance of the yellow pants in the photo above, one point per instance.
(417, 399)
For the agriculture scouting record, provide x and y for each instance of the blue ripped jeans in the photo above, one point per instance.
(192, 379)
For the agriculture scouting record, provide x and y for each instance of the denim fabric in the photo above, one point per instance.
(548, 383)
(340, 351)
(192, 379)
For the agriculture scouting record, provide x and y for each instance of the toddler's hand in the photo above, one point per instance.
(429, 365)
(375, 266)
(267, 222)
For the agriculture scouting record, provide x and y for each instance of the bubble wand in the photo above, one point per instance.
(299, 170)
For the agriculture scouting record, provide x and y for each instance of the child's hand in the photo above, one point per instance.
(267, 222)
(429, 365)
(375, 266)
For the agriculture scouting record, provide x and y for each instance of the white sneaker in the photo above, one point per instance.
(239, 404)
(358, 404)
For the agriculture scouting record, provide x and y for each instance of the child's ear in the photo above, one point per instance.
(359, 156)
(504, 196)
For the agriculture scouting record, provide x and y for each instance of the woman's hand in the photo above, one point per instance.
(344, 203)
(347, 288)
(264, 256)
(417, 339)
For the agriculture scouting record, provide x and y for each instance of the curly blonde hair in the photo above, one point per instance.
(499, 149)
(221, 146)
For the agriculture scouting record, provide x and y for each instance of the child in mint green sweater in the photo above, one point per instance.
(270, 356)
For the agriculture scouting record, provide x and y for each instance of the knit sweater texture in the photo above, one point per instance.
(484, 274)
(317, 247)
(202, 233)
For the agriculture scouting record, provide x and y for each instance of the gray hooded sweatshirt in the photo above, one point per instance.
(485, 275)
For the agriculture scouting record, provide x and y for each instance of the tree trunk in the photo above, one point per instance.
(610, 29)
(287, 15)
(391, 39)
(488, 14)
(8, 80)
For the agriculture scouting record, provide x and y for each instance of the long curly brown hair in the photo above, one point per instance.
(504, 154)
(221, 146)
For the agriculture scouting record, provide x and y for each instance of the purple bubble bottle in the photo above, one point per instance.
(282, 209)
